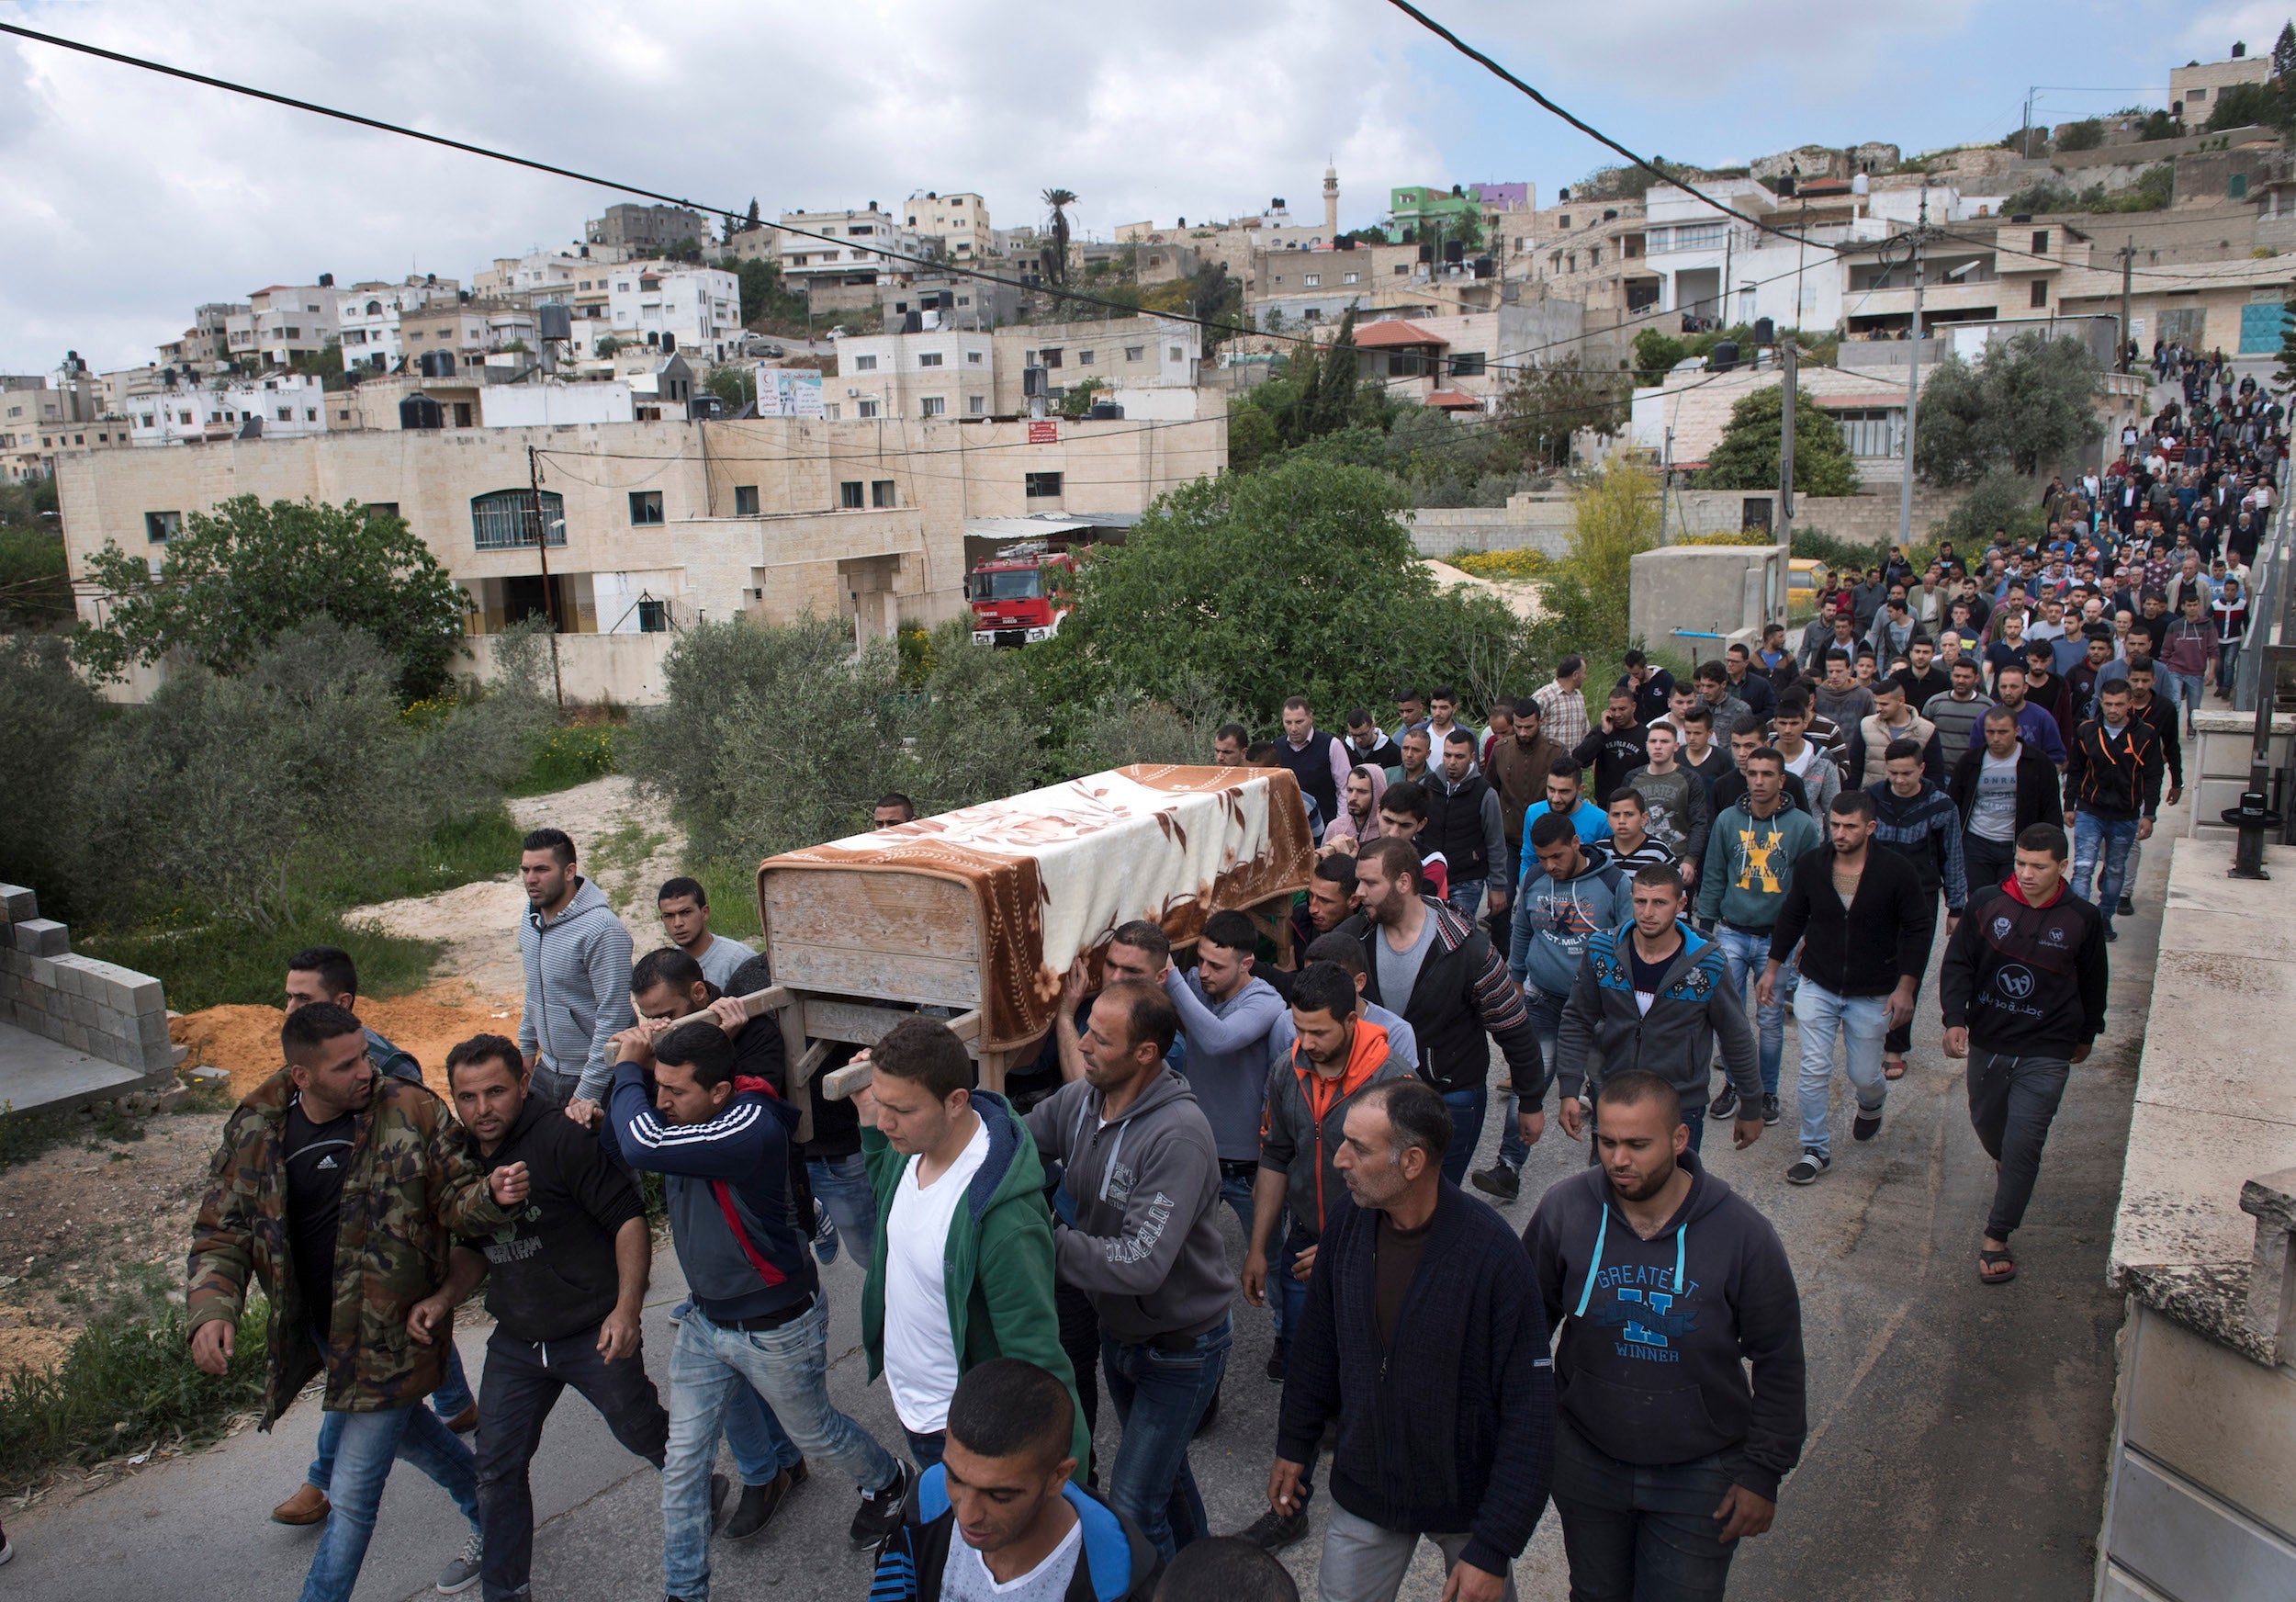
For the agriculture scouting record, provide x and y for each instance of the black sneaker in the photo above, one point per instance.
(2126, 909)
(879, 1512)
(1866, 1126)
(1279, 1364)
(1272, 1531)
(757, 1506)
(797, 1473)
(1770, 1113)
(1498, 1180)
(1806, 1168)
(1725, 1104)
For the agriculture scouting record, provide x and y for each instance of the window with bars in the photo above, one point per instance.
(504, 519)
(1873, 432)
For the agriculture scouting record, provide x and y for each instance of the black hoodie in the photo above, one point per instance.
(1657, 1336)
(551, 1270)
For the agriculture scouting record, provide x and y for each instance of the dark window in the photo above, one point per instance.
(504, 519)
(2041, 292)
(381, 509)
(745, 499)
(1043, 484)
(462, 415)
(644, 506)
(880, 491)
(849, 494)
(2040, 242)
(1467, 365)
(158, 527)
(1052, 358)
(1019, 585)
(2236, 186)
(653, 616)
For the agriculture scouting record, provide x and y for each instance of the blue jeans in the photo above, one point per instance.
(925, 1450)
(1290, 1296)
(448, 1400)
(1746, 955)
(1545, 1027)
(365, 1447)
(1160, 1396)
(709, 1366)
(2109, 838)
(1466, 896)
(841, 1184)
(1635, 1530)
(2182, 690)
(1467, 1107)
(1863, 1020)
(1235, 1189)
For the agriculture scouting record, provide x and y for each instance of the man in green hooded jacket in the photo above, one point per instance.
(962, 1270)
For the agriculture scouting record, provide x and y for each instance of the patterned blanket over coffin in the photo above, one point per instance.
(1050, 875)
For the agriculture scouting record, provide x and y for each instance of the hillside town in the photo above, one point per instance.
(1017, 884)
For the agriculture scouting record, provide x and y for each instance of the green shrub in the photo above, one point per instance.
(560, 758)
(126, 1385)
(215, 963)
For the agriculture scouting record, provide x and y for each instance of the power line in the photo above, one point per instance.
(1648, 164)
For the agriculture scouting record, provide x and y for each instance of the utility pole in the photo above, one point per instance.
(1913, 380)
(2127, 266)
(1789, 398)
(1666, 480)
(542, 548)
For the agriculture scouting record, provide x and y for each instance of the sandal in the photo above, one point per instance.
(1994, 1259)
(1893, 1067)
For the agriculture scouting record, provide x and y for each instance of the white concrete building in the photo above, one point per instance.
(699, 308)
(850, 259)
(534, 405)
(1689, 247)
(959, 222)
(283, 406)
(941, 372)
(367, 317)
(281, 322)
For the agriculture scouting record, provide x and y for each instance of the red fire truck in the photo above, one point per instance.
(1021, 594)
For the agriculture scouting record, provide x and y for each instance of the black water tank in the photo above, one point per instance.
(1765, 333)
(1103, 411)
(419, 411)
(1723, 357)
(1454, 252)
(1484, 268)
(438, 364)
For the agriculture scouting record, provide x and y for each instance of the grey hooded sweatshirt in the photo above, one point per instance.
(578, 988)
(1132, 1213)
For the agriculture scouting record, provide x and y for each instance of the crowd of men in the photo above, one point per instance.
(1790, 820)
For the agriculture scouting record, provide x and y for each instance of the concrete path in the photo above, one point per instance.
(1958, 1431)
(40, 1075)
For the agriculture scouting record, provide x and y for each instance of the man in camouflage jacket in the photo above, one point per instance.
(404, 1188)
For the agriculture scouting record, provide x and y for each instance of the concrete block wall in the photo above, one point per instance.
(2216, 764)
(100, 1007)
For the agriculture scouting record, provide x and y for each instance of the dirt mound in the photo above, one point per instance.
(39, 1351)
(244, 1041)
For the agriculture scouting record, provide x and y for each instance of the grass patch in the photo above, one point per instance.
(485, 847)
(564, 757)
(1519, 564)
(126, 1385)
(733, 892)
(218, 963)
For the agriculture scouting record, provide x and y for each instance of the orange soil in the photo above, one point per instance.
(244, 1041)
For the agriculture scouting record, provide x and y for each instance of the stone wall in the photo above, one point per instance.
(1868, 519)
(1541, 522)
(101, 1009)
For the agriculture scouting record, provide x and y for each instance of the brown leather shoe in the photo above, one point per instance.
(308, 1506)
(466, 1421)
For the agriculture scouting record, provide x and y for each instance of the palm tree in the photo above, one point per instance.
(1058, 265)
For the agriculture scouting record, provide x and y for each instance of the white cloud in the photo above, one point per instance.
(129, 198)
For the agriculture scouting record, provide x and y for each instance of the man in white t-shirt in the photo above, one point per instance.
(1000, 1518)
(962, 1270)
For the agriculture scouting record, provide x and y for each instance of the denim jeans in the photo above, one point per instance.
(553, 1087)
(1363, 1562)
(1467, 1107)
(2109, 838)
(365, 1448)
(762, 1447)
(448, 1400)
(1633, 1530)
(1160, 1396)
(2182, 690)
(1863, 1020)
(1466, 896)
(1745, 955)
(2227, 663)
(522, 1382)
(1235, 1189)
(708, 1367)
(841, 1184)
(925, 1450)
(2012, 1101)
(1546, 1025)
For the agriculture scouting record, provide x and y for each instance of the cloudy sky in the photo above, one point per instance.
(126, 198)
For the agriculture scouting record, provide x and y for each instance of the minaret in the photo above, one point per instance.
(1330, 204)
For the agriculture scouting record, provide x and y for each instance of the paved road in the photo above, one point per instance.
(1958, 1430)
